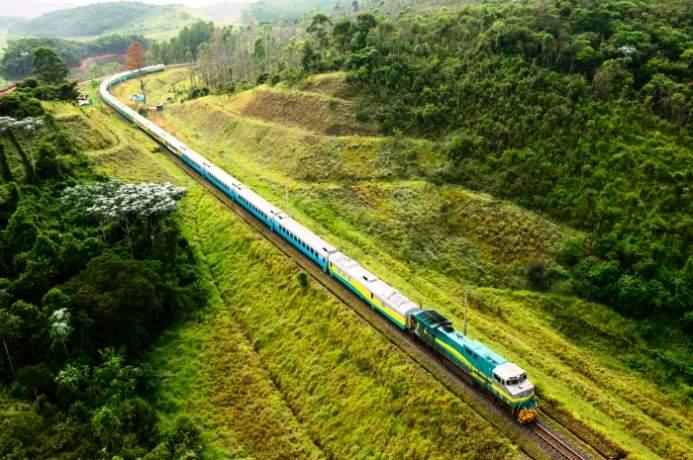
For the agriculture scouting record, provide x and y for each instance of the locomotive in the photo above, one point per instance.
(506, 381)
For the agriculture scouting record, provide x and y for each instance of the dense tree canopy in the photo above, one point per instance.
(183, 47)
(91, 271)
(48, 67)
(577, 108)
(17, 59)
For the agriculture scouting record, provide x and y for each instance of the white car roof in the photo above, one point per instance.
(383, 291)
(508, 370)
(319, 245)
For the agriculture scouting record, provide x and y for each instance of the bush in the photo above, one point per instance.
(538, 274)
(363, 116)
(303, 280)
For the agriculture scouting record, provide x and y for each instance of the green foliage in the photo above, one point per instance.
(577, 109)
(20, 105)
(48, 67)
(184, 46)
(81, 297)
(17, 58)
(276, 10)
(303, 280)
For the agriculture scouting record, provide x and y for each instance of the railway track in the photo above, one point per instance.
(564, 449)
(441, 369)
(537, 441)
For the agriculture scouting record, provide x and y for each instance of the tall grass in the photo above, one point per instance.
(275, 369)
(377, 199)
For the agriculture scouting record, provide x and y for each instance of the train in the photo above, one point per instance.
(504, 380)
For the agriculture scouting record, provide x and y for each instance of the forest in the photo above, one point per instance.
(579, 109)
(92, 270)
(16, 61)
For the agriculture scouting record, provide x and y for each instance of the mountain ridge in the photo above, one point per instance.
(106, 18)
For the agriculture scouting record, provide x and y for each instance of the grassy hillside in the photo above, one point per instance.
(107, 18)
(275, 369)
(434, 241)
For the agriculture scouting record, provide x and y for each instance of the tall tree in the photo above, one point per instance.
(5, 171)
(10, 325)
(48, 67)
(134, 57)
(28, 124)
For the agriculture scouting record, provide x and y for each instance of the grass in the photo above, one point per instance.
(275, 370)
(381, 201)
(170, 88)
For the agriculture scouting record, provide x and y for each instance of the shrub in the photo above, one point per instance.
(303, 280)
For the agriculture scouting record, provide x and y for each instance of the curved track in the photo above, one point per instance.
(535, 440)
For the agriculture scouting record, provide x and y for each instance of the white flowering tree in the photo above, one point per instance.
(60, 327)
(8, 126)
(116, 201)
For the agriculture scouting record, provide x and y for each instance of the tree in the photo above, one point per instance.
(364, 23)
(5, 171)
(48, 67)
(7, 127)
(343, 32)
(125, 203)
(318, 27)
(134, 56)
(134, 59)
(60, 328)
(10, 325)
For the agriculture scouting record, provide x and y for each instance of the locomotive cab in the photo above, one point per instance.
(513, 380)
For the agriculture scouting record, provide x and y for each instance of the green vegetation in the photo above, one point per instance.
(48, 67)
(602, 139)
(105, 18)
(91, 273)
(579, 109)
(276, 10)
(372, 198)
(17, 60)
(277, 369)
(184, 46)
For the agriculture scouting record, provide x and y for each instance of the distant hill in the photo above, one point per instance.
(106, 18)
(278, 10)
(7, 21)
(228, 11)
